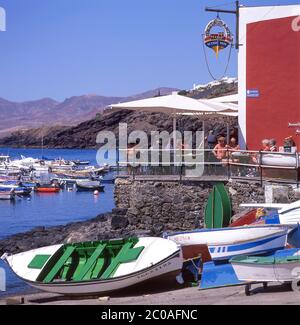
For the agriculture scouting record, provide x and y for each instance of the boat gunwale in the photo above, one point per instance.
(282, 226)
(95, 281)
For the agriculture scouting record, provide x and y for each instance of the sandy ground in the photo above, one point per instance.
(274, 294)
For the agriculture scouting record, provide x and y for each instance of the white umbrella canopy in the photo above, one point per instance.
(227, 99)
(172, 104)
(175, 104)
(220, 107)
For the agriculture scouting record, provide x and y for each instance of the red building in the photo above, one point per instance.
(269, 74)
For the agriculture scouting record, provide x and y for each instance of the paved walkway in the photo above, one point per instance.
(273, 295)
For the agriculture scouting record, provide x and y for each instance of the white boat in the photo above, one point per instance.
(283, 266)
(9, 171)
(285, 160)
(287, 213)
(89, 185)
(7, 195)
(97, 267)
(224, 243)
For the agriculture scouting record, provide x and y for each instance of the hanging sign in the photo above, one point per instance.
(220, 40)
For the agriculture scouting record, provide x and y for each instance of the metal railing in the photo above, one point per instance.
(261, 166)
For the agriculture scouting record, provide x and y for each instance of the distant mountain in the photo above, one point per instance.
(48, 112)
(84, 134)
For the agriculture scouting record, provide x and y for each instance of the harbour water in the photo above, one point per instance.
(49, 209)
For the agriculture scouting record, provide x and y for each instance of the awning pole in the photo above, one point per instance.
(203, 129)
(174, 130)
(228, 135)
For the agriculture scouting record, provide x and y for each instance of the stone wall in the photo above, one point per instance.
(161, 206)
(147, 208)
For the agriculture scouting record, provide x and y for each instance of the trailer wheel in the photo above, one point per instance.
(248, 290)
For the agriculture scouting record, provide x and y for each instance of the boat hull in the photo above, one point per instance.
(257, 246)
(266, 273)
(224, 243)
(47, 189)
(99, 188)
(149, 259)
(7, 196)
(171, 267)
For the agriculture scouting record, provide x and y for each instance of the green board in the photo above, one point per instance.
(218, 208)
(38, 261)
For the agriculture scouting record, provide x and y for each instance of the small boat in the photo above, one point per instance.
(108, 180)
(70, 180)
(97, 267)
(10, 184)
(286, 160)
(22, 191)
(285, 213)
(7, 195)
(28, 184)
(49, 188)
(224, 243)
(279, 267)
(81, 162)
(87, 172)
(89, 186)
(247, 218)
(216, 275)
(17, 186)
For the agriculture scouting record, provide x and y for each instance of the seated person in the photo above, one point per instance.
(273, 146)
(233, 146)
(289, 145)
(265, 145)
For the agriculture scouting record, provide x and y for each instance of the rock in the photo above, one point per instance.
(232, 191)
(102, 218)
(38, 229)
(119, 211)
(118, 222)
(157, 228)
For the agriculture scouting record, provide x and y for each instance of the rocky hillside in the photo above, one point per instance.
(84, 134)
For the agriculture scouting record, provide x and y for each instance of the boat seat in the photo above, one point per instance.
(90, 262)
(59, 264)
(125, 255)
(66, 269)
(98, 268)
(80, 265)
(38, 262)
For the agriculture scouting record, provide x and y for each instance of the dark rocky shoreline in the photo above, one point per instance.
(104, 226)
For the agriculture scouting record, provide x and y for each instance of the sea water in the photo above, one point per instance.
(42, 209)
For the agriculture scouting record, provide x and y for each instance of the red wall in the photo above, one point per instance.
(273, 68)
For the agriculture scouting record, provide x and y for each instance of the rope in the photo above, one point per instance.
(207, 64)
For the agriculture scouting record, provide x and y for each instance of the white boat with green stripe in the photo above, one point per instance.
(97, 267)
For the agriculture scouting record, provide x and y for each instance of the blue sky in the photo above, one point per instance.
(62, 48)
